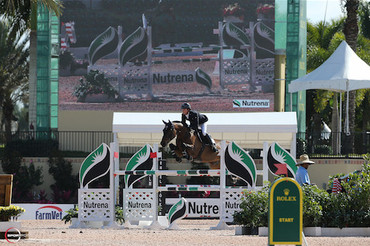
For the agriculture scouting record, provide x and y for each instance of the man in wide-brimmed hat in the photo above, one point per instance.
(302, 175)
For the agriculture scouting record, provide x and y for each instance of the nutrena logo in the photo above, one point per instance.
(142, 160)
(233, 34)
(95, 165)
(134, 46)
(49, 213)
(177, 211)
(103, 45)
(280, 161)
(240, 163)
(203, 78)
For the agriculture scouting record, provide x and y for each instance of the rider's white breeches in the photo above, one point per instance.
(203, 127)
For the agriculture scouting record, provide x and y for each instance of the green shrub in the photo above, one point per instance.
(94, 83)
(254, 207)
(349, 209)
(66, 184)
(31, 148)
(313, 197)
(322, 149)
(25, 179)
(73, 213)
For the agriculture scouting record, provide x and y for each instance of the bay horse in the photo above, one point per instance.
(187, 140)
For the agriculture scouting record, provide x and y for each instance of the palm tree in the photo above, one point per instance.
(13, 72)
(322, 40)
(351, 33)
(24, 16)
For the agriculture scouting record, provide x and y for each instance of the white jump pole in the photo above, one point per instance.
(222, 224)
(155, 224)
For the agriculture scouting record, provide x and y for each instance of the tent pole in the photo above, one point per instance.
(347, 116)
(340, 122)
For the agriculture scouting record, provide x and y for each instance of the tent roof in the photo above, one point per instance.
(342, 71)
(247, 129)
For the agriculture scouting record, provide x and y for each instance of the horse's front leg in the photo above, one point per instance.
(176, 151)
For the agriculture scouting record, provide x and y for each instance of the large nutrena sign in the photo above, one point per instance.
(285, 212)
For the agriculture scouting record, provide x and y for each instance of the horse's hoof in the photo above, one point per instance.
(178, 159)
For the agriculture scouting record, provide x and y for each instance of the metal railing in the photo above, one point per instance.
(334, 144)
(41, 143)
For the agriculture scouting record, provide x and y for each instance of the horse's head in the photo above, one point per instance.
(169, 133)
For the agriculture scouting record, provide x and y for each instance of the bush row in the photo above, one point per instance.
(350, 208)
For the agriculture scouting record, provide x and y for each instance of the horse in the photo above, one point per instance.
(187, 140)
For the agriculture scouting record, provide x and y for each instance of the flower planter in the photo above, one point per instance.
(263, 231)
(312, 231)
(243, 230)
(345, 232)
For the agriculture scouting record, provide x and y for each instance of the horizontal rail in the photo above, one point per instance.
(210, 172)
(189, 188)
(205, 50)
(197, 188)
(156, 62)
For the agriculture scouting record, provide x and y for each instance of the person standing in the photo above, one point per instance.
(302, 176)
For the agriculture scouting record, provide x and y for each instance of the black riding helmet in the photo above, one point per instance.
(185, 106)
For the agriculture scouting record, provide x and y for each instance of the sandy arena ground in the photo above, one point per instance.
(193, 232)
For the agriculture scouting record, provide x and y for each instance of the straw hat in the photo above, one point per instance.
(304, 159)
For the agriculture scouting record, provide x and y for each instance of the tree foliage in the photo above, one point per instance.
(14, 55)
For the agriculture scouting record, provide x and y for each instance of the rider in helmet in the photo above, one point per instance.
(197, 122)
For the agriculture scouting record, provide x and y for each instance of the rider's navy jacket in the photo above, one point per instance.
(195, 119)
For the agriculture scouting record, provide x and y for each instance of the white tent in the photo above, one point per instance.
(250, 130)
(343, 71)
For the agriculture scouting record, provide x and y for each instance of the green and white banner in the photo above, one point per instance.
(104, 44)
(280, 161)
(177, 211)
(233, 34)
(240, 163)
(134, 46)
(142, 160)
(95, 165)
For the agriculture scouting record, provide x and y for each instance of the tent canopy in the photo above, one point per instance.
(342, 71)
(249, 130)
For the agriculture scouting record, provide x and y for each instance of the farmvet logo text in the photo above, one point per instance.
(250, 103)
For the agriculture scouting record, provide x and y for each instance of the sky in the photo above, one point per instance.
(316, 10)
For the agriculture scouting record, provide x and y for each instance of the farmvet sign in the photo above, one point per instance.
(285, 212)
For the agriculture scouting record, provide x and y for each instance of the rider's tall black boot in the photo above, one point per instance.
(208, 139)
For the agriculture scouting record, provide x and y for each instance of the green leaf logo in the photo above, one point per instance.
(203, 78)
(240, 163)
(140, 161)
(105, 44)
(134, 46)
(95, 165)
(233, 34)
(277, 156)
(236, 103)
(177, 211)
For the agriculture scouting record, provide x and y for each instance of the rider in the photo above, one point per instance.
(197, 121)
